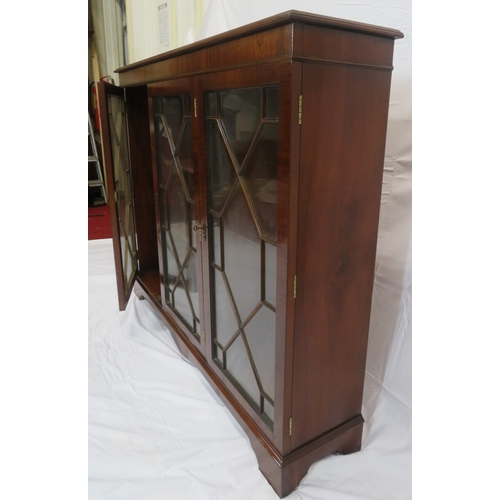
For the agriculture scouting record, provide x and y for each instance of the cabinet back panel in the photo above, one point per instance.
(342, 156)
(142, 177)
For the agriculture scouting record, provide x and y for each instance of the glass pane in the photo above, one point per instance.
(163, 152)
(270, 273)
(241, 116)
(221, 173)
(269, 410)
(182, 302)
(238, 365)
(179, 218)
(216, 240)
(225, 320)
(192, 284)
(157, 105)
(242, 254)
(186, 300)
(271, 103)
(261, 174)
(211, 104)
(185, 156)
(173, 113)
(260, 334)
(187, 105)
(172, 271)
(218, 355)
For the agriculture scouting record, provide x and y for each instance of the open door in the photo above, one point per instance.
(116, 151)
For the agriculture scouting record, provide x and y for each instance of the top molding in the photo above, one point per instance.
(284, 18)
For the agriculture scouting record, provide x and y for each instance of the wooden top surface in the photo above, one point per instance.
(265, 24)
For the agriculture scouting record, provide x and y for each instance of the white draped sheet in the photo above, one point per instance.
(158, 431)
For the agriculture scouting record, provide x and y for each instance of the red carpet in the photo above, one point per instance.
(99, 223)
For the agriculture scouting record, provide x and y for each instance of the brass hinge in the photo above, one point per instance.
(300, 109)
(295, 287)
(195, 109)
(290, 426)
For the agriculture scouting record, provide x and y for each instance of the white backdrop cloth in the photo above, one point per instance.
(158, 431)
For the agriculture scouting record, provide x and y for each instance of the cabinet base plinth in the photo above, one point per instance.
(286, 477)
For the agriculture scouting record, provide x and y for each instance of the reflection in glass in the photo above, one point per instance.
(172, 271)
(221, 173)
(225, 320)
(261, 174)
(242, 254)
(259, 333)
(216, 241)
(240, 115)
(179, 218)
(269, 410)
(242, 169)
(165, 159)
(184, 155)
(238, 365)
(172, 108)
(212, 104)
(271, 96)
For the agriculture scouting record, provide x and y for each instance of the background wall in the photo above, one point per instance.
(184, 19)
(180, 21)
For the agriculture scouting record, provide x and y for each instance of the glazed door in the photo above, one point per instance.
(178, 223)
(242, 129)
(114, 129)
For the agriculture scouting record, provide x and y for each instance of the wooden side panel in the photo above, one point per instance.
(341, 165)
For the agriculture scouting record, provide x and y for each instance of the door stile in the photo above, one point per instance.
(202, 215)
(287, 255)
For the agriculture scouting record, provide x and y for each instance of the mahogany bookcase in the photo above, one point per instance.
(245, 177)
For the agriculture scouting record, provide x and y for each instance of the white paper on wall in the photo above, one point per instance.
(163, 24)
